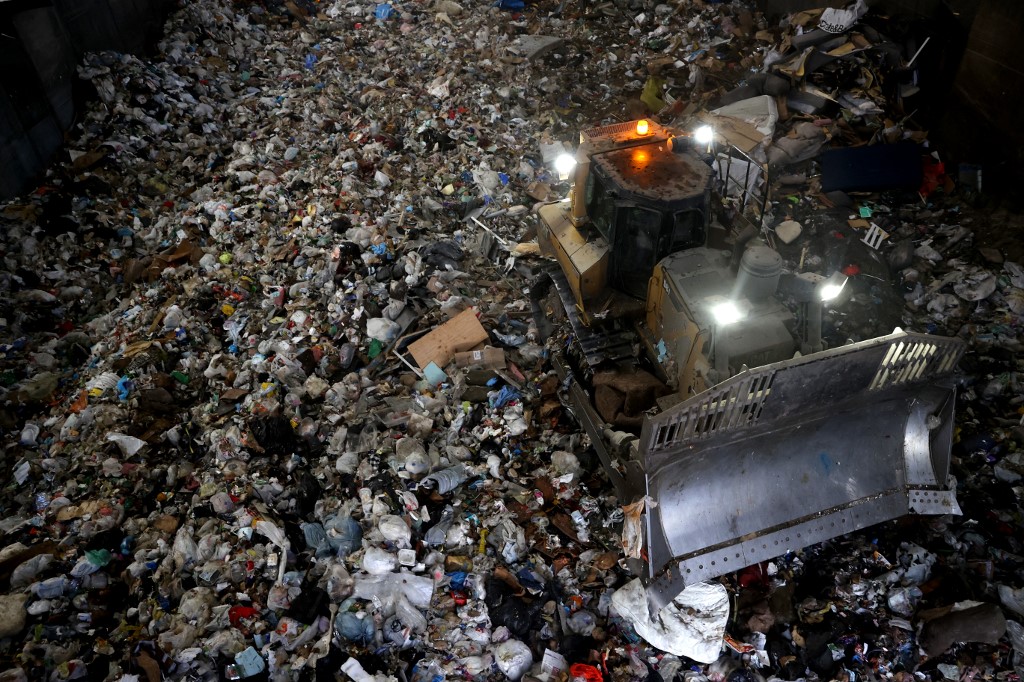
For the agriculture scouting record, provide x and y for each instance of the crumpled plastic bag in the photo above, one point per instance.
(513, 658)
(927, 251)
(409, 615)
(1015, 272)
(394, 529)
(1016, 632)
(443, 255)
(803, 142)
(344, 534)
(509, 539)
(693, 625)
(976, 286)
(354, 628)
(382, 329)
(26, 572)
(386, 588)
(842, 20)
(1015, 301)
(1012, 598)
(128, 445)
(632, 527)
(273, 533)
(377, 561)
(185, 545)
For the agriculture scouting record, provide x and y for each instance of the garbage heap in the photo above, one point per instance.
(275, 406)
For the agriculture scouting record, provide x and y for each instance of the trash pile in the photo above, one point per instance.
(274, 404)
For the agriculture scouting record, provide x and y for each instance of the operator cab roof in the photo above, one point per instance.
(652, 173)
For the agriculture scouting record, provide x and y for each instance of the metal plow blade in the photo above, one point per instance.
(790, 454)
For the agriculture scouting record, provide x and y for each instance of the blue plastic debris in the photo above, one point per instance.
(250, 662)
(124, 387)
(506, 395)
(434, 374)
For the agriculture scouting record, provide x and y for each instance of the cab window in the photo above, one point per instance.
(636, 248)
(600, 206)
(687, 231)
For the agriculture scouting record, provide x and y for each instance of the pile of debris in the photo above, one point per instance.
(275, 405)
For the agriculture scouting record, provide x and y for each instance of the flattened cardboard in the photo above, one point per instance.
(458, 334)
(539, 190)
(737, 132)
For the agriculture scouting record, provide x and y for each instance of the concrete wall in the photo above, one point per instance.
(41, 42)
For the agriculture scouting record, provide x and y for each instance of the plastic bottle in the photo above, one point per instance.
(51, 588)
(446, 480)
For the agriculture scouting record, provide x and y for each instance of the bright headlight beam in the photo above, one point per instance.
(832, 287)
(726, 313)
(830, 291)
(565, 163)
(704, 135)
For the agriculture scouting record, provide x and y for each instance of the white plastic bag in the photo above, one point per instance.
(842, 20)
(513, 658)
(692, 625)
(377, 561)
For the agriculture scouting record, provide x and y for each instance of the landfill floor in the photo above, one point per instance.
(225, 460)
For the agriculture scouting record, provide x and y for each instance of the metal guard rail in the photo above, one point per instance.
(803, 384)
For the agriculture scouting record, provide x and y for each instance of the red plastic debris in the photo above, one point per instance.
(239, 613)
(582, 671)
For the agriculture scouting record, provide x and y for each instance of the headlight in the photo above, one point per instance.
(832, 287)
(726, 312)
(564, 164)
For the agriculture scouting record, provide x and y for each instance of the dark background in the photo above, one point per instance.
(970, 99)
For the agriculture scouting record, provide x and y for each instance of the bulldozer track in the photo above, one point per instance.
(595, 345)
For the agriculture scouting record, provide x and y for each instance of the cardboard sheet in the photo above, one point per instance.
(736, 131)
(461, 333)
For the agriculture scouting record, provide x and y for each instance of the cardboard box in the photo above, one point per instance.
(488, 358)
(458, 334)
(539, 190)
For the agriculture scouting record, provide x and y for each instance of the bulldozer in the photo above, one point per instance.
(757, 440)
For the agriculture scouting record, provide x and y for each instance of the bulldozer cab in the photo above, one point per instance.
(640, 230)
(637, 197)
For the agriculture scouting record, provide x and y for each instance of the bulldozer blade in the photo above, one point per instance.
(793, 453)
